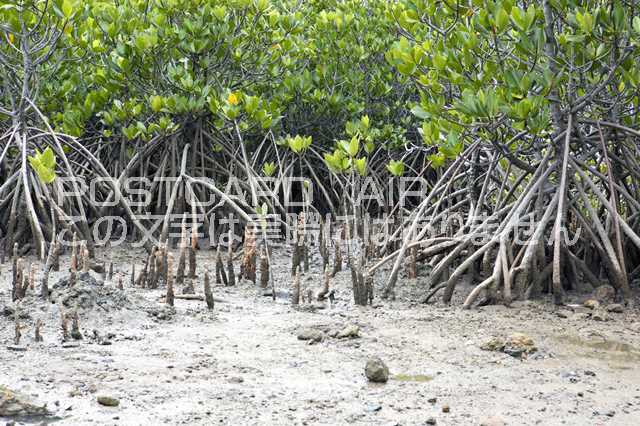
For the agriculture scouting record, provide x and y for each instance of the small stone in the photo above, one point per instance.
(611, 413)
(431, 421)
(580, 394)
(16, 404)
(578, 309)
(236, 380)
(310, 334)
(580, 317)
(589, 373)
(616, 308)
(493, 421)
(17, 348)
(600, 316)
(376, 370)
(445, 408)
(372, 408)
(108, 401)
(518, 344)
(493, 344)
(433, 400)
(591, 304)
(571, 375)
(604, 294)
(350, 331)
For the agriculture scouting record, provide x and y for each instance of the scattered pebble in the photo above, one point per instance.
(108, 401)
(310, 334)
(14, 404)
(615, 308)
(591, 304)
(17, 348)
(376, 370)
(493, 421)
(350, 331)
(372, 408)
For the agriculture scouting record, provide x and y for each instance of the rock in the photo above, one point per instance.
(600, 316)
(432, 400)
(15, 404)
(376, 370)
(591, 304)
(493, 421)
(604, 294)
(350, 331)
(579, 309)
(245, 282)
(88, 293)
(580, 317)
(310, 334)
(97, 267)
(493, 344)
(372, 408)
(161, 312)
(9, 311)
(108, 401)
(518, 344)
(616, 308)
(571, 375)
(236, 380)
(17, 348)
(431, 421)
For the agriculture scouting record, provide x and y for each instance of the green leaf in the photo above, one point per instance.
(299, 143)
(67, 8)
(419, 112)
(369, 146)
(437, 160)
(518, 18)
(48, 158)
(361, 165)
(220, 12)
(396, 167)
(336, 161)
(44, 164)
(585, 21)
(365, 121)
(269, 169)
(439, 61)
(636, 24)
(501, 19)
(156, 103)
(351, 147)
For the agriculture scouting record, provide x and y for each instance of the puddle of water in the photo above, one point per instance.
(420, 378)
(601, 348)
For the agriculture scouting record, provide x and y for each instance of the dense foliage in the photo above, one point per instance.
(509, 109)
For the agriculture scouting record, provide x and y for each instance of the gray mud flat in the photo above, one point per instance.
(243, 364)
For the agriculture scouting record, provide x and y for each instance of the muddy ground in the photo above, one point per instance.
(243, 364)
